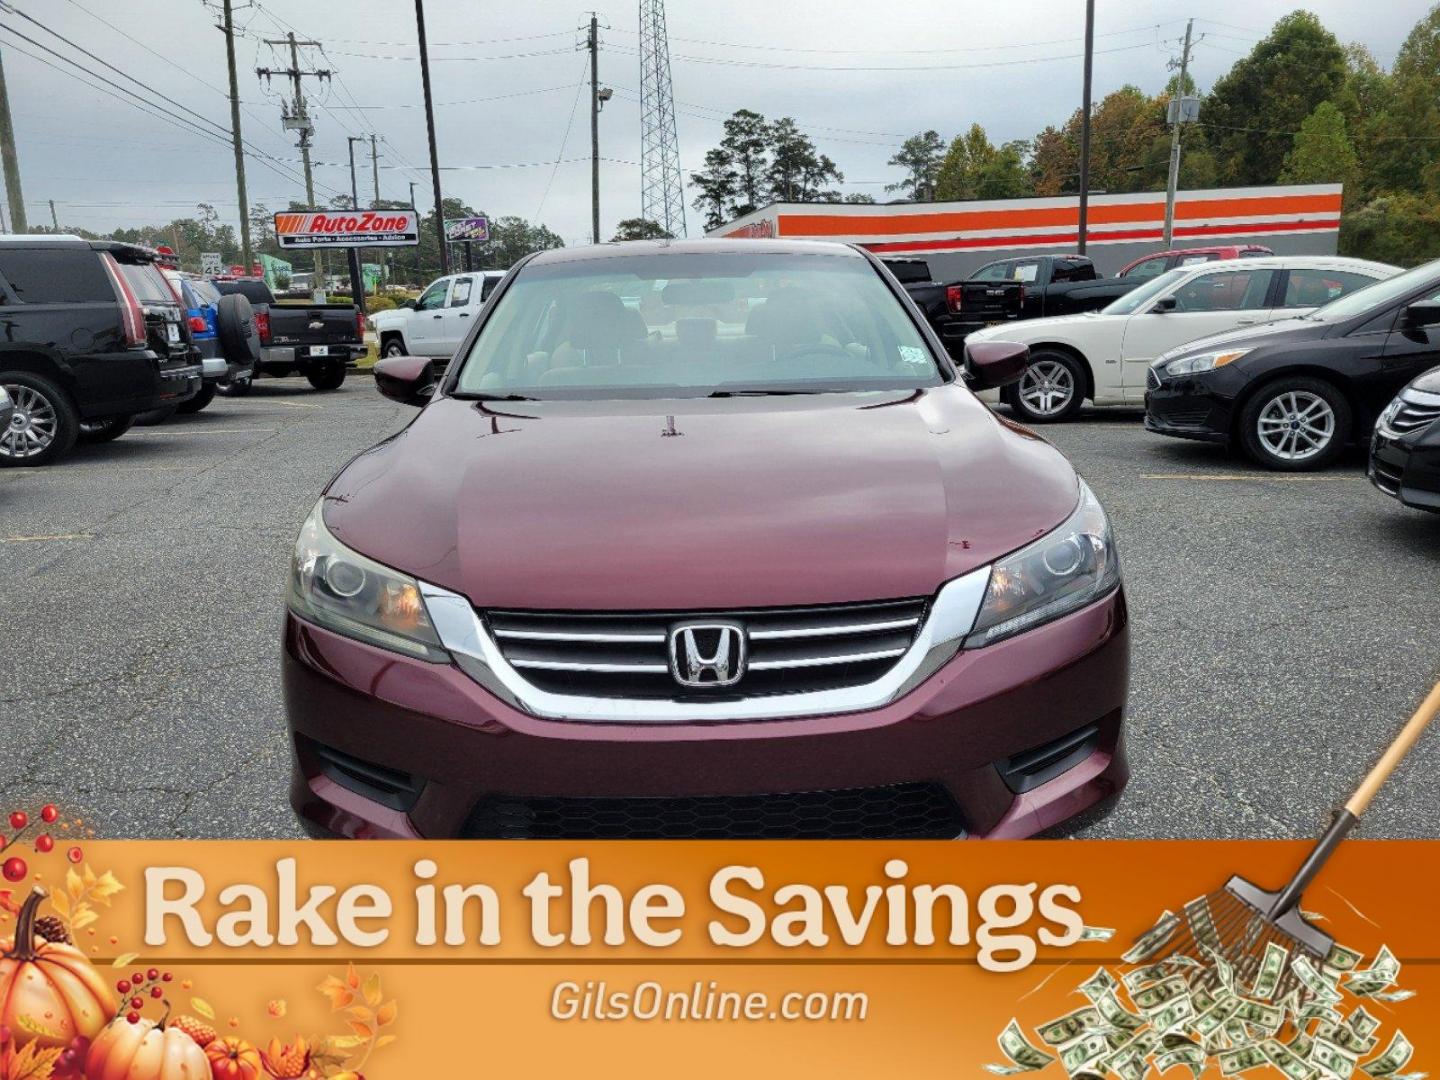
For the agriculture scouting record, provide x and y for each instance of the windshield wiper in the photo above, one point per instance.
(760, 391)
(464, 395)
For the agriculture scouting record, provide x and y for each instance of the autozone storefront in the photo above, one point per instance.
(958, 237)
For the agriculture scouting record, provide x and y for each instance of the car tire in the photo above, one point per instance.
(394, 345)
(236, 331)
(200, 400)
(1295, 423)
(48, 426)
(156, 416)
(107, 430)
(326, 376)
(1051, 390)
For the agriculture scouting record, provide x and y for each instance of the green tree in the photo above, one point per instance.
(746, 144)
(920, 157)
(1322, 152)
(859, 197)
(797, 172)
(716, 184)
(965, 162)
(1274, 88)
(1401, 228)
(637, 228)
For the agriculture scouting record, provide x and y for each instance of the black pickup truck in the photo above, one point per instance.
(318, 340)
(1039, 285)
(943, 305)
(90, 335)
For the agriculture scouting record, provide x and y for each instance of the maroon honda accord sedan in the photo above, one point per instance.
(705, 539)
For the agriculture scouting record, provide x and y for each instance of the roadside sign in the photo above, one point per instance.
(347, 228)
(210, 263)
(476, 229)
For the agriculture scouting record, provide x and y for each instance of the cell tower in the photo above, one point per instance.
(662, 195)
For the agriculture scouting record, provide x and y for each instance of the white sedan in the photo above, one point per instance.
(1104, 355)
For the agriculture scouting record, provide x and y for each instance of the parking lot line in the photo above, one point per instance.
(42, 539)
(208, 431)
(296, 404)
(1246, 476)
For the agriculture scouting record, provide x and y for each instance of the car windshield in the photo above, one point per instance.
(1133, 301)
(1374, 297)
(691, 324)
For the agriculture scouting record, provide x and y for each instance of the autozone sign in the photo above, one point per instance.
(347, 228)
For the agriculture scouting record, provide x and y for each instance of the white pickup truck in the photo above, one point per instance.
(436, 323)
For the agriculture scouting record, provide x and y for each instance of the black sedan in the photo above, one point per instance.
(1405, 449)
(1292, 394)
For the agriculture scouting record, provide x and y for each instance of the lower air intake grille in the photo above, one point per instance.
(1386, 477)
(626, 655)
(1027, 771)
(901, 812)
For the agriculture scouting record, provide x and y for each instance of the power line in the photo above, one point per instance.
(761, 64)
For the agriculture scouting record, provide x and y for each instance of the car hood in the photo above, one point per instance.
(701, 504)
(1427, 381)
(1251, 337)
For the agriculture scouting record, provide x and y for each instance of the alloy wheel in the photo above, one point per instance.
(1296, 425)
(33, 427)
(394, 348)
(1047, 387)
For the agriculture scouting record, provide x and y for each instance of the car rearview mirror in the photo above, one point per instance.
(409, 380)
(1421, 314)
(1164, 304)
(992, 364)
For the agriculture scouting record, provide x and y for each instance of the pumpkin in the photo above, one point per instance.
(49, 993)
(233, 1059)
(145, 1050)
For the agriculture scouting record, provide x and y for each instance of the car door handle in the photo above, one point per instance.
(464, 314)
(1246, 322)
(437, 316)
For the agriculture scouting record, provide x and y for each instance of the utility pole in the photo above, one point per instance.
(357, 272)
(11, 161)
(297, 118)
(1178, 103)
(229, 30)
(430, 130)
(1085, 125)
(375, 171)
(54, 219)
(593, 44)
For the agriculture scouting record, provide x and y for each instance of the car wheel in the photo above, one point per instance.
(44, 426)
(1295, 424)
(327, 376)
(107, 430)
(200, 400)
(156, 416)
(394, 346)
(1052, 388)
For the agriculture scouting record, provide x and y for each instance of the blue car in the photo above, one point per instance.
(221, 365)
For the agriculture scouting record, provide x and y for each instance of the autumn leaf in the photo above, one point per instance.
(124, 959)
(361, 1013)
(384, 1040)
(33, 1063)
(352, 977)
(372, 989)
(35, 1027)
(365, 1031)
(343, 1042)
(73, 884)
(277, 1008)
(386, 1013)
(84, 916)
(59, 901)
(339, 994)
(105, 887)
(203, 1007)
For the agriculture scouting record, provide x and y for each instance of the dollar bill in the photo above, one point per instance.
(1023, 1056)
(1223, 971)
(1313, 981)
(1142, 976)
(1096, 933)
(1342, 959)
(1069, 1027)
(1267, 1017)
(1396, 1056)
(1191, 1056)
(1391, 996)
(1240, 1059)
(1116, 1015)
(1302, 1044)
(1173, 1015)
(1160, 994)
(1153, 940)
(1102, 982)
(1083, 1052)
(1213, 1019)
(1272, 966)
(1346, 1038)
(1287, 1061)
(1361, 1022)
(1382, 973)
(1335, 1060)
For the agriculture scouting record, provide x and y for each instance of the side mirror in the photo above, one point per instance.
(1164, 304)
(1420, 314)
(992, 364)
(409, 380)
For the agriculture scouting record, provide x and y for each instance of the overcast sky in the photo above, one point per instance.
(858, 76)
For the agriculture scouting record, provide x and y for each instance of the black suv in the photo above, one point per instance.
(90, 335)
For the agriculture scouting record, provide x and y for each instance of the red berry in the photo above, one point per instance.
(19, 819)
(138, 978)
(152, 974)
(137, 1003)
(156, 992)
(15, 869)
(74, 854)
(166, 977)
(133, 1017)
(44, 844)
(49, 813)
(123, 986)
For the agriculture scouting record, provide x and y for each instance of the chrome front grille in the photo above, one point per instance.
(1152, 379)
(625, 655)
(1415, 413)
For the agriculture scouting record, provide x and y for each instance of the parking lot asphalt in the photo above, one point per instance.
(1284, 626)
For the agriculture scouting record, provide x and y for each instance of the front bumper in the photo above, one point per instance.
(1407, 467)
(1188, 407)
(443, 747)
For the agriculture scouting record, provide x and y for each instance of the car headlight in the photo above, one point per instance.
(1062, 571)
(345, 592)
(1191, 365)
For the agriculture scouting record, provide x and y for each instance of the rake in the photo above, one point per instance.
(1239, 921)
